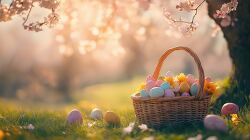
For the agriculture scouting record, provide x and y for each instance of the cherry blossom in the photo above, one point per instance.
(224, 11)
(25, 7)
(226, 21)
(186, 5)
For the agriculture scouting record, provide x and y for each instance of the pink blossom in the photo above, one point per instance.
(185, 5)
(226, 21)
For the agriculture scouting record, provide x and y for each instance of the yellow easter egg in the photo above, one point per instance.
(184, 87)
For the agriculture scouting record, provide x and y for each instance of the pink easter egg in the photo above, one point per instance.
(75, 117)
(190, 79)
(229, 108)
(185, 94)
(149, 78)
(158, 83)
(150, 84)
(169, 93)
(215, 122)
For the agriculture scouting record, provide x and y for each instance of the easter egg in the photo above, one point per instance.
(185, 94)
(194, 89)
(144, 94)
(184, 87)
(190, 79)
(169, 74)
(111, 118)
(165, 86)
(169, 93)
(158, 83)
(149, 85)
(156, 92)
(229, 108)
(75, 117)
(215, 122)
(96, 114)
(176, 88)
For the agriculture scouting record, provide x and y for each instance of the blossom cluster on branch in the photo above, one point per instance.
(24, 8)
(188, 27)
(224, 11)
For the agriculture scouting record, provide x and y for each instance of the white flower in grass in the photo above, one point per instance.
(198, 137)
(129, 128)
(30, 127)
(212, 138)
(148, 138)
(143, 127)
(90, 124)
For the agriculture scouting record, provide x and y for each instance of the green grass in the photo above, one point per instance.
(50, 123)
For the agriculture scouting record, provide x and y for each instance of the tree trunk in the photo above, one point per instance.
(238, 39)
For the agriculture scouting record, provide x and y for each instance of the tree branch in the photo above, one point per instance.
(27, 17)
(195, 14)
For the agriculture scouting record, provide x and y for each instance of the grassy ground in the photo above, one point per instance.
(50, 123)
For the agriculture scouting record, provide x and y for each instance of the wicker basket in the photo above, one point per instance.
(162, 111)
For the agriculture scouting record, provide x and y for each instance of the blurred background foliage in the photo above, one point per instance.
(99, 42)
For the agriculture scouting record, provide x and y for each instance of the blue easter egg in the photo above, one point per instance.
(144, 93)
(194, 89)
(165, 86)
(156, 92)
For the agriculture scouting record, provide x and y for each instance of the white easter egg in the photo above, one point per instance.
(75, 117)
(96, 114)
(156, 92)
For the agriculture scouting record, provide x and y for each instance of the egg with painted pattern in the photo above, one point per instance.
(156, 92)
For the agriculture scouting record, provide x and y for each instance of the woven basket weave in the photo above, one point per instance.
(161, 111)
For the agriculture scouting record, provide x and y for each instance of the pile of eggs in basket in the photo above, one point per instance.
(172, 86)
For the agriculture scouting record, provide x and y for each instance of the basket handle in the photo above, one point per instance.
(196, 59)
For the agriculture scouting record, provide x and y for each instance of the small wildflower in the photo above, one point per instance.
(235, 119)
(30, 127)
(198, 137)
(129, 128)
(90, 124)
(148, 138)
(212, 138)
(143, 127)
